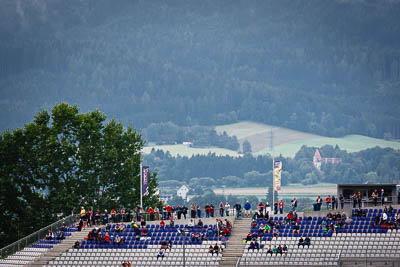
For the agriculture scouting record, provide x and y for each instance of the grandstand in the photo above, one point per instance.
(356, 243)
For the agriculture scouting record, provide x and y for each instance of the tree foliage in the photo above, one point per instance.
(63, 160)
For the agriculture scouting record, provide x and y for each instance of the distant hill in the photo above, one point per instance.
(286, 142)
(330, 68)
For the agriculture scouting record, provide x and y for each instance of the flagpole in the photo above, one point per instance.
(273, 182)
(141, 186)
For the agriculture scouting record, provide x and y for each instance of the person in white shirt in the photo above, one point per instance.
(227, 208)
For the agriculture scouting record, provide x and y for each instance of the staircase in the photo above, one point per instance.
(58, 249)
(235, 246)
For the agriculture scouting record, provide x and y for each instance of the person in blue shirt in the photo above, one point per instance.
(247, 208)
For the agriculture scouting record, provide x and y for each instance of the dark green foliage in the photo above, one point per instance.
(65, 160)
(326, 67)
(199, 136)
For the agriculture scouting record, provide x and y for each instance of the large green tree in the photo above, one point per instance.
(63, 160)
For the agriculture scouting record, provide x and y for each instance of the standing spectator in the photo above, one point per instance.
(192, 211)
(238, 208)
(375, 197)
(294, 204)
(128, 215)
(169, 211)
(113, 216)
(207, 210)
(354, 198)
(334, 203)
(97, 217)
(156, 213)
(319, 203)
(341, 198)
(227, 208)
(275, 207)
(198, 211)
(261, 208)
(382, 197)
(150, 211)
(281, 206)
(179, 212)
(221, 209)
(184, 211)
(83, 213)
(328, 201)
(267, 211)
(106, 217)
(359, 200)
(212, 210)
(247, 208)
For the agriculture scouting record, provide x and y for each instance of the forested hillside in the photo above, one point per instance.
(325, 67)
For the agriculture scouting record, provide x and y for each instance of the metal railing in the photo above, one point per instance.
(36, 236)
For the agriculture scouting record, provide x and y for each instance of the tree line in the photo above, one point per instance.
(199, 136)
(202, 172)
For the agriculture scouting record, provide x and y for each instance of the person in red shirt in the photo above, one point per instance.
(328, 201)
(107, 238)
(169, 208)
(281, 206)
(151, 212)
(207, 210)
(212, 210)
(162, 223)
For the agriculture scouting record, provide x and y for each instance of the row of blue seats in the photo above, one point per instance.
(137, 245)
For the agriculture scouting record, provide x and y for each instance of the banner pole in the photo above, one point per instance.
(141, 186)
(273, 183)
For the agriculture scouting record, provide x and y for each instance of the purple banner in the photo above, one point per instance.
(145, 180)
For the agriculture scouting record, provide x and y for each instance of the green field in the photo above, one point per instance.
(351, 143)
(285, 142)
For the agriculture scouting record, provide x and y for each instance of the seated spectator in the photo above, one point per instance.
(126, 264)
(228, 224)
(289, 217)
(301, 242)
(160, 254)
(169, 245)
(279, 250)
(60, 235)
(248, 237)
(77, 244)
(164, 245)
(108, 227)
(210, 232)
(118, 240)
(275, 233)
(200, 223)
(269, 251)
(307, 242)
(211, 250)
(216, 249)
(390, 210)
(191, 224)
(251, 246)
(162, 223)
(285, 249)
(195, 237)
(267, 228)
(107, 238)
(142, 222)
(144, 231)
(122, 228)
(296, 229)
(99, 237)
(254, 223)
(117, 229)
(275, 250)
(261, 229)
(49, 235)
(384, 217)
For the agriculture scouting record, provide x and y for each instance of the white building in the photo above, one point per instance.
(182, 191)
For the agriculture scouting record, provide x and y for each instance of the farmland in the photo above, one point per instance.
(285, 142)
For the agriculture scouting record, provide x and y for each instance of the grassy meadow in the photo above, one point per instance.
(285, 141)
